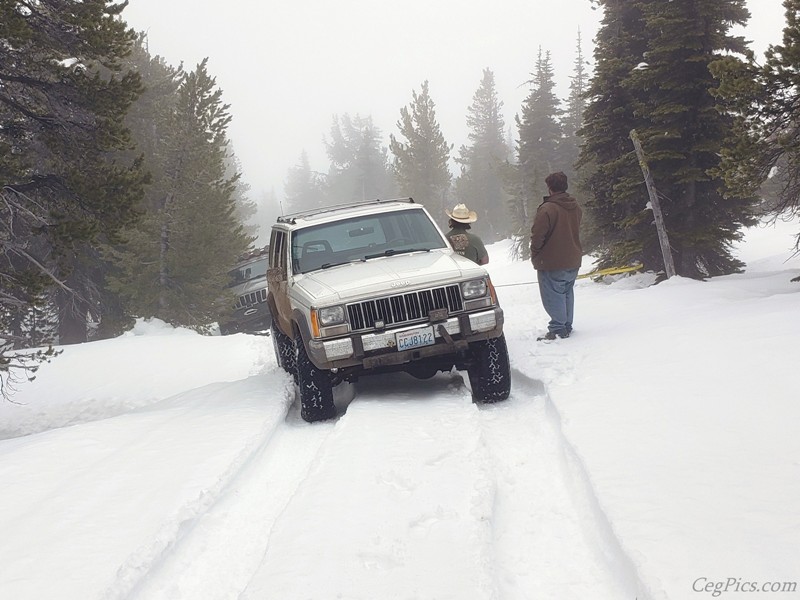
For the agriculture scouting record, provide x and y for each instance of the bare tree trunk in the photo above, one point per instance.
(163, 274)
(687, 254)
(72, 323)
(666, 251)
(72, 326)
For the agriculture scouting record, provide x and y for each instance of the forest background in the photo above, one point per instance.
(123, 193)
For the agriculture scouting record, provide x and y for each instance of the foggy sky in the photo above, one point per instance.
(287, 67)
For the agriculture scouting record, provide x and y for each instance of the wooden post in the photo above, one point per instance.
(663, 240)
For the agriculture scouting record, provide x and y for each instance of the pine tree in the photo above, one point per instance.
(269, 209)
(175, 263)
(662, 82)
(684, 133)
(613, 178)
(763, 152)
(371, 166)
(420, 162)
(246, 207)
(147, 120)
(480, 184)
(537, 151)
(359, 168)
(573, 116)
(65, 187)
(152, 110)
(304, 188)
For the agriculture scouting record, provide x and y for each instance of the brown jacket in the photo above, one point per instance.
(555, 243)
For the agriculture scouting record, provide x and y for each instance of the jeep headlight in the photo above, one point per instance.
(330, 315)
(325, 317)
(475, 288)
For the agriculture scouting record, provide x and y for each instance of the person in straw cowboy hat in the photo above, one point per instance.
(463, 242)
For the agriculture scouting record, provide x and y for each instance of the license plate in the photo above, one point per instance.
(414, 338)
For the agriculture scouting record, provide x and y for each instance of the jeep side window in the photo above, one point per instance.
(277, 253)
(281, 254)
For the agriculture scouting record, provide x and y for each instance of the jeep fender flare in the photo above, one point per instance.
(298, 321)
(273, 312)
(273, 309)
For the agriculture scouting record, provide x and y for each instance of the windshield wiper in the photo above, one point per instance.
(342, 262)
(393, 251)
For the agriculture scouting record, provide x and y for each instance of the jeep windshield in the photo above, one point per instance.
(363, 238)
(249, 271)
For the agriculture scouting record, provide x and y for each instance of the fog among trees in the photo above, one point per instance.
(123, 198)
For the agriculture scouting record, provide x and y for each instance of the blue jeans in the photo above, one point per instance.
(558, 298)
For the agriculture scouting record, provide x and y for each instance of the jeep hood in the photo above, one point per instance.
(386, 276)
(250, 285)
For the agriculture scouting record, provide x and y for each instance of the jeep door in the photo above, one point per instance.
(277, 283)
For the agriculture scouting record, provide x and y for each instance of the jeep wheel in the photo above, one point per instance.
(490, 372)
(316, 389)
(284, 350)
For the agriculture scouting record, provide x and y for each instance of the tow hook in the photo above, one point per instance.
(444, 333)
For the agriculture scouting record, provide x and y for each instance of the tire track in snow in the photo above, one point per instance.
(414, 492)
(198, 409)
(216, 557)
(551, 538)
(398, 505)
(104, 501)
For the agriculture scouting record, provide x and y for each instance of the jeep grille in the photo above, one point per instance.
(404, 308)
(252, 298)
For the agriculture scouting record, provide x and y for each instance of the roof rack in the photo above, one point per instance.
(292, 218)
(253, 253)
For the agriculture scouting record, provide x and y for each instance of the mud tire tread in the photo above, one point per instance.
(490, 373)
(315, 386)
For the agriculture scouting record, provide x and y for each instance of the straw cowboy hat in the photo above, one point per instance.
(462, 214)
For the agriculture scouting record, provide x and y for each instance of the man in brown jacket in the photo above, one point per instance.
(556, 254)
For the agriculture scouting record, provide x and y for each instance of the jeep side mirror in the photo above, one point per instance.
(275, 275)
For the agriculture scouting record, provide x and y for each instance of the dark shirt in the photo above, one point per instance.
(468, 244)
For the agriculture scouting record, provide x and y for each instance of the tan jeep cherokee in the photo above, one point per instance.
(373, 287)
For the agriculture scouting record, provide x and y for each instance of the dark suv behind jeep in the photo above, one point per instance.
(249, 282)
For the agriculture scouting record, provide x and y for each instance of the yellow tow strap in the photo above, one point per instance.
(611, 271)
(600, 273)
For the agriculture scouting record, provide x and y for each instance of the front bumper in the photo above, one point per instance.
(378, 349)
(256, 317)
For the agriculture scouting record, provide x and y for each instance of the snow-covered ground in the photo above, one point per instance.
(655, 455)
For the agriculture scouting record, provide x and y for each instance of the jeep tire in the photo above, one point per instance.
(284, 350)
(315, 385)
(490, 371)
